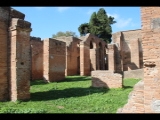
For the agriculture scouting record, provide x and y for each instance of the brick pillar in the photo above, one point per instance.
(93, 59)
(111, 61)
(20, 59)
(103, 60)
(150, 17)
(84, 59)
(54, 60)
(37, 58)
(135, 53)
(4, 24)
(68, 63)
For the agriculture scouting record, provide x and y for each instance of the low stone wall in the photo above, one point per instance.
(133, 74)
(135, 102)
(106, 79)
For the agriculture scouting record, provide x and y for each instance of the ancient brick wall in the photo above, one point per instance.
(20, 59)
(93, 59)
(135, 102)
(16, 14)
(37, 58)
(54, 52)
(72, 54)
(4, 40)
(145, 97)
(130, 49)
(111, 57)
(134, 47)
(92, 54)
(130, 40)
(106, 79)
(84, 59)
(150, 17)
(138, 73)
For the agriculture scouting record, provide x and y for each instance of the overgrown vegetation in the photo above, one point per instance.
(73, 95)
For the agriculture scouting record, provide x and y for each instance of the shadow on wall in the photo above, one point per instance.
(126, 56)
(133, 66)
(98, 83)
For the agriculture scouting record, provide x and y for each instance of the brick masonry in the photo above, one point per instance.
(138, 73)
(20, 60)
(54, 52)
(92, 54)
(72, 55)
(37, 58)
(4, 24)
(106, 79)
(130, 49)
(146, 97)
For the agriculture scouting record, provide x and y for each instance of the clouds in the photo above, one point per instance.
(122, 22)
(61, 9)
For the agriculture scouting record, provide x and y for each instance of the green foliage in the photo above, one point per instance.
(67, 33)
(99, 25)
(83, 29)
(27, 110)
(73, 95)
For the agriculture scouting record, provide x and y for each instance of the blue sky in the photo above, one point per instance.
(46, 21)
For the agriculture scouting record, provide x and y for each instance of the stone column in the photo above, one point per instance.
(84, 59)
(111, 61)
(135, 53)
(20, 59)
(54, 61)
(4, 24)
(93, 59)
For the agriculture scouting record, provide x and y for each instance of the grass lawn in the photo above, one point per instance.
(73, 95)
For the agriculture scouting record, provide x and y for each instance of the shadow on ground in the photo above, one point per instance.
(67, 79)
(76, 78)
(65, 93)
(68, 92)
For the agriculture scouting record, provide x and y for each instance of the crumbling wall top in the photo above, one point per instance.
(16, 22)
(17, 14)
(35, 38)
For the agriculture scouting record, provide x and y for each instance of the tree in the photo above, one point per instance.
(67, 33)
(99, 25)
(93, 24)
(83, 29)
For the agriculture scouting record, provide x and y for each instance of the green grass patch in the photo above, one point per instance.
(73, 95)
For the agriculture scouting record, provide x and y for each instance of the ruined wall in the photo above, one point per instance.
(93, 59)
(135, 102)
(92, 54)
(37, 58)
(72, 54)
(4, 40)
(20, 59)
(106, 79)
(84, 59)
(150, 17)
(54, 60)
(145, 97)
(138, 73)
(111, 57)
(130, 49)
(74, 57)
